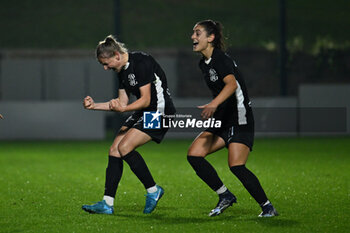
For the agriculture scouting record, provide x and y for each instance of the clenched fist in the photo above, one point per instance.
(115, 105)
(89, 103)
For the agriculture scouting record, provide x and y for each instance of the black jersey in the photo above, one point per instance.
(140, 70)
(236, 109)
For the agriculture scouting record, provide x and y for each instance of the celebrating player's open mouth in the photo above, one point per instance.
(195, 43)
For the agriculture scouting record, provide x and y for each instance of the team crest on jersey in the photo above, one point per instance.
(213, 75)
(132, 80)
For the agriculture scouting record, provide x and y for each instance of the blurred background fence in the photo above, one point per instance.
(47, 63)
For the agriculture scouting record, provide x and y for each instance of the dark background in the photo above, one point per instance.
(317, 35)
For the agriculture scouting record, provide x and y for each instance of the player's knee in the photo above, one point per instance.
(233, 163)
(124, 148)
(236, 161)
(192, 151)
(189, 151)
(113, 150)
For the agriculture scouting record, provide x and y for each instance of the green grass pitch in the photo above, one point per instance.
(44, 184)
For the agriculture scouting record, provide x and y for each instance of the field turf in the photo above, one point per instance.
(44, 184)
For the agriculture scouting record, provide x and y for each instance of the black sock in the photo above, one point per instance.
(250, 182)
(114, 172)
(139, 168)
(205, 171)
(226, 194)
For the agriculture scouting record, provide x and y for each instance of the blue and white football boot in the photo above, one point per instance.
(100, 207)
(152, 200)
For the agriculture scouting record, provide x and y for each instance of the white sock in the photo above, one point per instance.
(266, 203)
(152, 189)
(109, 200)
(221, 190)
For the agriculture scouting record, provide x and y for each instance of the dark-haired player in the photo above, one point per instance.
(231, 105)
(140, 75)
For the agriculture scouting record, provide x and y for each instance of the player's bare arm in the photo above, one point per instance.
(229, 88)
(141, 103)
(119, 104)
(90, 104)
(123, 97)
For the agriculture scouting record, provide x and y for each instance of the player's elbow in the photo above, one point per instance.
(146, 102)
(233, 86)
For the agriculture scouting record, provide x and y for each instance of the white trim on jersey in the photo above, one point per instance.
(207, 61)
(126, 66)
(160, 94)
(241, 110)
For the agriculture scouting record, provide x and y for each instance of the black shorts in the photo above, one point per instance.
(241, 134)
(136, 121)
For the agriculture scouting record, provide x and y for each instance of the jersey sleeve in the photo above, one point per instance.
(144, 74)
(121, 84)
(201, 66)
(225, 67)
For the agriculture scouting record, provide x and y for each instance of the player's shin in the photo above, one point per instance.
(139, 167)
(114, 173)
